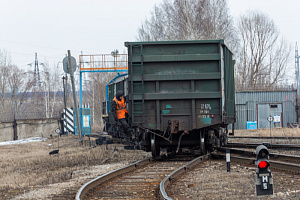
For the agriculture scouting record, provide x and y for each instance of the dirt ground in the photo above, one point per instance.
(280, 132)
(29, 172)
(211, 180)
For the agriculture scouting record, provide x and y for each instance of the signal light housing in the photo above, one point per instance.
(263, 177)
(262, 159)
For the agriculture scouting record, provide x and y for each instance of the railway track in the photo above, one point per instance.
(148, 179)
(265, 137)
(278, 161)
(145, 179)
(269, 145)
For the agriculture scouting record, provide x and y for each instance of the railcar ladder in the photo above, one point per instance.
(137, 87)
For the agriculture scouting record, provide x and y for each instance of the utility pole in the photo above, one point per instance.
(36, 69)
(297, 79)
(36, 72)
(65, 80)
(297, 67)
(14, 91)
(78, 122)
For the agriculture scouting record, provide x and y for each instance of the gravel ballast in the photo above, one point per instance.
(211, 180)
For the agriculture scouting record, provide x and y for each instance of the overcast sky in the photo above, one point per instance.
(51, 27)
(285, 15)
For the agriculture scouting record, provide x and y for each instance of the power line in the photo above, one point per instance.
(26, 44)
(27, 55)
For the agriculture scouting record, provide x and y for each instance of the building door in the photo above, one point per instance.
(265, 110)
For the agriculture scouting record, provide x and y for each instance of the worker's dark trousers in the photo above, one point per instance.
(126, 127)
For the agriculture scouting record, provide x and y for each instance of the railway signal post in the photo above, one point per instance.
(263, 177)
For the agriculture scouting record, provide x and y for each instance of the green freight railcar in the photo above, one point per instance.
(189, 81)
(180, 93)
(178, 87)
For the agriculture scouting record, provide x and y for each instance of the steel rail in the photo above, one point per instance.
(105, 177)
(269, 145)
(171, 177)
(273, 164)
(264, 137)
(252, 153)
(285, 157)
(285, 166)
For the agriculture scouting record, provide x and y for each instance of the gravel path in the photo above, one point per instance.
(211, 181)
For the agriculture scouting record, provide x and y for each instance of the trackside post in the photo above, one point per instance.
(228, 159)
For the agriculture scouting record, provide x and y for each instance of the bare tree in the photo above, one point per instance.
(24, 97)
(56, 87)
(19, 85)
(95, 94)
(14, 87)
(4, 73)
(263, 57)
(218, 23)
(47, 90)
(189, 20)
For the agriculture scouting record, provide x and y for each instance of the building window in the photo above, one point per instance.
(273, 106)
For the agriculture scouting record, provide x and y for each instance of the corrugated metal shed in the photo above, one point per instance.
(258, 105)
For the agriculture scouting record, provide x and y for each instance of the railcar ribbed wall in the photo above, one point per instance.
(188, 81)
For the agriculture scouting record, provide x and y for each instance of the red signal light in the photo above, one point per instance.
(262, 164)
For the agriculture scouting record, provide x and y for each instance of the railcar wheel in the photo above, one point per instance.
(155, 149)
(224, 140)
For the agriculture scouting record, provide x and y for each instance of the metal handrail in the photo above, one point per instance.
(103, 63)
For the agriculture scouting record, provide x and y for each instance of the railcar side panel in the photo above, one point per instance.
(190, 82)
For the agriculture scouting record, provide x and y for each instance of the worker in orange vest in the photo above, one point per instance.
(120, 113)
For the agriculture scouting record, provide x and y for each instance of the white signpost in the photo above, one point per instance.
(270, 119)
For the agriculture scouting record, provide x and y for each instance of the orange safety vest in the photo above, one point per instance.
(121, 108)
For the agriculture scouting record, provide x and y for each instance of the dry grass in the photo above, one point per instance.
(283, 132)
(24, 166)
(278, 132)
(27, 166)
